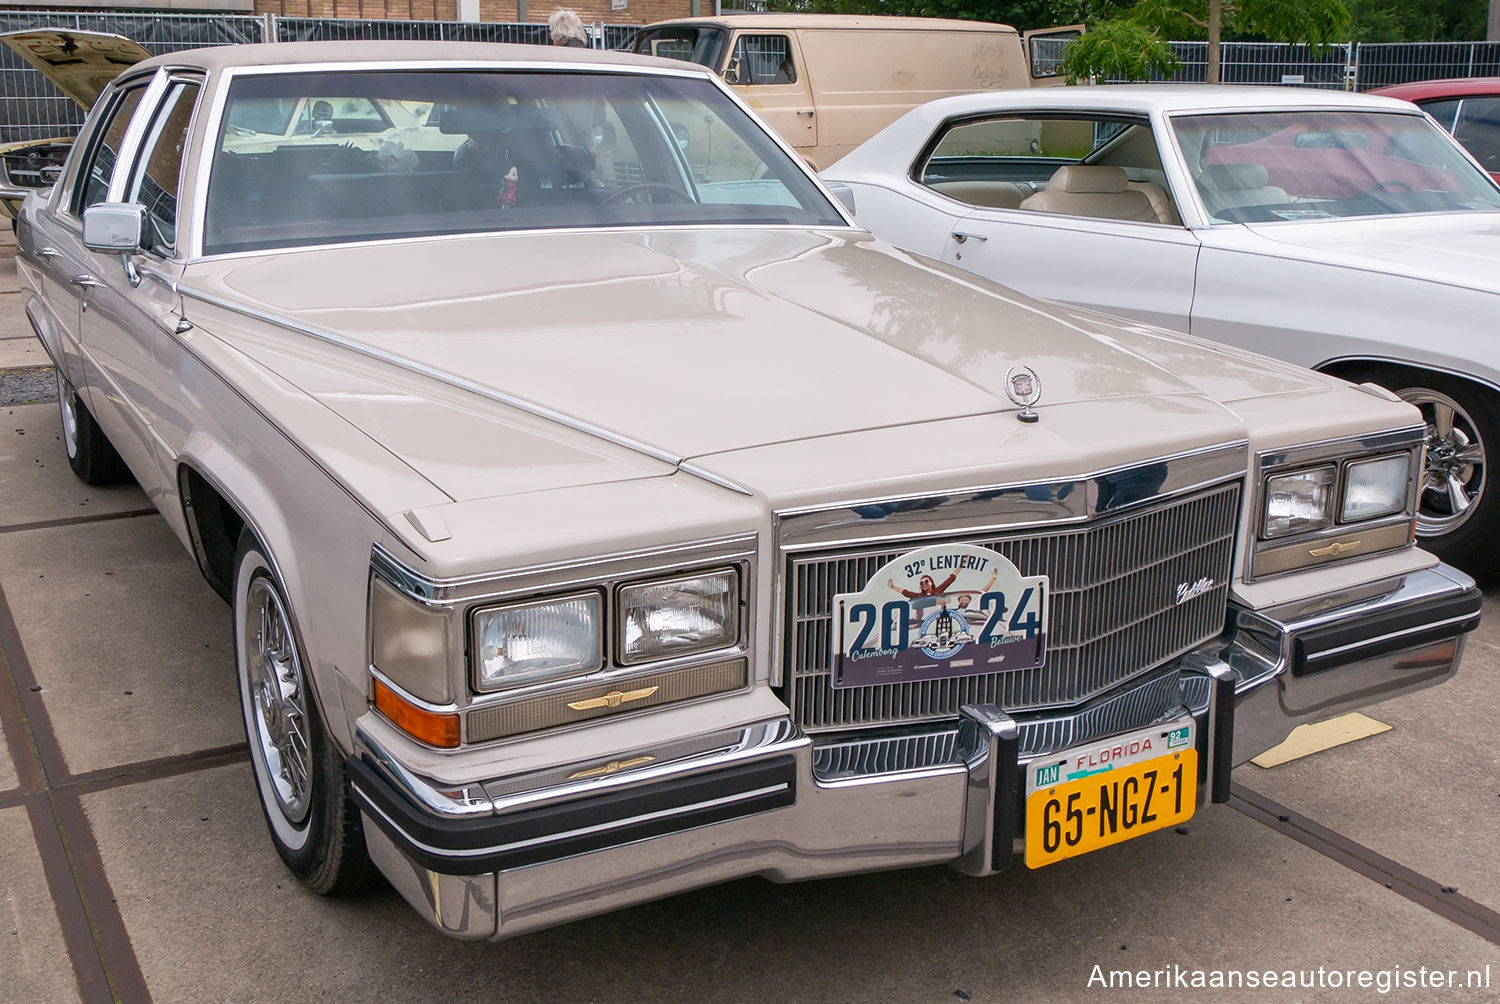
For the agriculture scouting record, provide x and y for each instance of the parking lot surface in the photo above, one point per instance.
(134, 863)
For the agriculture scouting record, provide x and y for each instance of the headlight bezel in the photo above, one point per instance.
(1341, 538)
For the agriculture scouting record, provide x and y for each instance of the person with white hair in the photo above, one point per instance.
(567, 29)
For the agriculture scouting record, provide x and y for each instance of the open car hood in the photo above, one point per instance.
(80, 63)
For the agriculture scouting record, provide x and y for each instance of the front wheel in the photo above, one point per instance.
(1458, 506)
(299, 775)
(90, 453)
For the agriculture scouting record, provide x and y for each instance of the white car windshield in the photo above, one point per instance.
(481, 151)
(1320, 164)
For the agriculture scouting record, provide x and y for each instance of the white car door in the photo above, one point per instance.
(1138, 270)
(1067, 207)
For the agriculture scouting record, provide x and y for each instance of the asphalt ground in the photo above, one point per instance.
(134, 863)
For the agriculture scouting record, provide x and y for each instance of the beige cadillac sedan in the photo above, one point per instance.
(604, 514)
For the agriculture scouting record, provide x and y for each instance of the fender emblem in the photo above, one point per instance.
(613, 699)
(614, 766)
(1336, 548)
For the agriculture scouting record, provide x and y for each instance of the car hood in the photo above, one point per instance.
(665, 346)
(80, 63)
(1457, 249)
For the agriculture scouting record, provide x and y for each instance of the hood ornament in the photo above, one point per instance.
(1024, 388)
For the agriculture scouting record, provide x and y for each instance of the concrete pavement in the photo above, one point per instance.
(134, 863)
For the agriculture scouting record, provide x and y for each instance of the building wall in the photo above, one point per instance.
(636, 12)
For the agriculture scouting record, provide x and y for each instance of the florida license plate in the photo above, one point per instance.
(1093, 796)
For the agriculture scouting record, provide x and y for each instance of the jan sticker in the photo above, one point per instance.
(938, 612)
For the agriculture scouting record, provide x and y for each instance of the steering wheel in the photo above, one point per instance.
(677, 194)
(1395, 184)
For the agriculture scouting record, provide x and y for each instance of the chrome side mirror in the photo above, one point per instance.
(117, 227)
(114, 226)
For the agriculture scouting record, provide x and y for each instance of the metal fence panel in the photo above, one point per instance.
(31, 108)
(1384, 64)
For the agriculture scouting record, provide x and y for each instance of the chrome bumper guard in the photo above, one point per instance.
(496, 858)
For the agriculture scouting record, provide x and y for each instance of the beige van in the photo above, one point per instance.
(828, 82)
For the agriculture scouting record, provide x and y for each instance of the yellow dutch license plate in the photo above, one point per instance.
(1076, 817)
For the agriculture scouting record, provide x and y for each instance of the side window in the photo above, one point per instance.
(1478, 130)
(155, 183)
(762, 59)
(1443, 110)
(93, 183)
(1017, 163)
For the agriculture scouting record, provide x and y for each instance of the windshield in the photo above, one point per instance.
(492, 150)
(1306, 165)
(692, 43)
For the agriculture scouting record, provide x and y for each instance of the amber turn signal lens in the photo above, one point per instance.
(434, 728)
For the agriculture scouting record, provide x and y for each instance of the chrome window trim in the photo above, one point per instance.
(227, 76)
(135, 134)
(1339, 452)
(975, 511)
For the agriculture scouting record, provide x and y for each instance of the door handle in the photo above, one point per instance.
(808, 113)
(960, 237)
(85, 281)
(48, 253)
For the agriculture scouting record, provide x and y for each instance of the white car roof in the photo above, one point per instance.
(900, 141)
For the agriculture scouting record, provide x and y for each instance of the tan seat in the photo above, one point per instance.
(995, 194)
(1161, 204)
(1092, 190)
(1231, 186)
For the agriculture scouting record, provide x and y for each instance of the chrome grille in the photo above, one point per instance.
(1114, 613)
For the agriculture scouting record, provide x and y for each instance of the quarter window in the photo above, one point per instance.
(103, 159)
(155, 183)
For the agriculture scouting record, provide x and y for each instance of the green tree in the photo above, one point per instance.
(1118, 48)
(1316, 22)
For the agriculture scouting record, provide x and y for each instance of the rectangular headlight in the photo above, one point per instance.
(544, 640)
(1374, 488)
(672, 617)
(1299, 502)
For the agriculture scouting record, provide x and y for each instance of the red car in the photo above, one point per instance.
(1468, 107)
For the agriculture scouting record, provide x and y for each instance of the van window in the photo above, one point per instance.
(763, 59)
(690, 43)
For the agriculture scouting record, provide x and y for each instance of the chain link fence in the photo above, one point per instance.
(31, 108)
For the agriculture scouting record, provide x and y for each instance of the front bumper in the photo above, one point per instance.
(500, 857)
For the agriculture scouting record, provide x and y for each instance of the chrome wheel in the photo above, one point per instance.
(69, 407)
(1453, 477)
(276, 701)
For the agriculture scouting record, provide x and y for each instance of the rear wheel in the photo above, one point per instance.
(1458, 508)
(299, 774)
(90, 454)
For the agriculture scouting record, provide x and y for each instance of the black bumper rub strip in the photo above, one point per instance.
(1008, 796)
(1336, 645)
(490, 843)
(1223, 738)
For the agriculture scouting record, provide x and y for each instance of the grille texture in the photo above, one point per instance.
(1114, 613)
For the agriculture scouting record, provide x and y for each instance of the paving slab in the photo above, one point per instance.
(9, 281)
(1426, 793)
(22, 350)
(36, 966)
(130, 646)
(8, 777)
(35, 481)
(213, 915)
